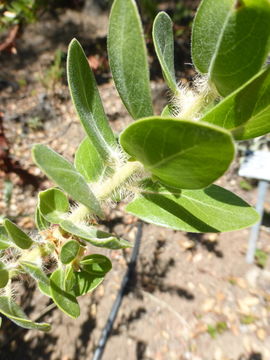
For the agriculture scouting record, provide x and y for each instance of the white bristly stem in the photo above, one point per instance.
(106, 189)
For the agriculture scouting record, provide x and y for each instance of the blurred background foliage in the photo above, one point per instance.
(21, 12)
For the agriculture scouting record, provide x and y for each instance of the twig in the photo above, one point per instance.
(9, 41)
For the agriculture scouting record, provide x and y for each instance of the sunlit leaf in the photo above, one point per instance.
(128, 58)
(66, 301)
(89, 162)
(96, 264)
(213, 209)
(35, 271)
(164, 46)
(11, 310)
(53, 205)
(87, 101)
(94, 236)
(86, 282)
(183, 154)
(69, 251)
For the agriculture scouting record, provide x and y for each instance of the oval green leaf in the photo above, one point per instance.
(213, 209)
(87, 101)
(94, 236)
(11, 310)
(4, 276)
(69, 251)
(128, 58)
(17, 236)
(182, 154)
(164, 47)
(66, 301)
(230, 40)
(64, 174)
(245, 112)
(53, 205)
(96, 264)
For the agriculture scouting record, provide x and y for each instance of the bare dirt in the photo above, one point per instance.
(193, 297)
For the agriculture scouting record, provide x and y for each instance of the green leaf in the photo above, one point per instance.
(53, 205)
(96, 264)
(69, 251)
(89, 162)
(164, 46)
(95, 236)
(44, 288)
(86, 282)
(246, 112)
(230, 40)
(183, 154)
(17, 236)
(66, 301)
(4, 276)
(128, 58)
(87, 101)
(213, 209)
(35, 272)
(4, 239)
(65, 176)
(41, 222)
(11, 310)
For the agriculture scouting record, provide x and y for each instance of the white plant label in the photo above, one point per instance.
(256, 166)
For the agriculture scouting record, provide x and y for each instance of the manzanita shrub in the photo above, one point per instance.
(168, 162)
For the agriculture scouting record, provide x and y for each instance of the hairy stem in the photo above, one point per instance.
(106, 189)
(194, 102)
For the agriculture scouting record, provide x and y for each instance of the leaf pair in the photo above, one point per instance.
(94, 155)
(245, 112)
(54, 206)
(66, 285)
(64, 174)
(230, 41)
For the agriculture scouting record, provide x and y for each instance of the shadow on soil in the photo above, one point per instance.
(210, 246)
(14, 347)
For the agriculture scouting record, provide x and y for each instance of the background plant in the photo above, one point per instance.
(163, 165)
